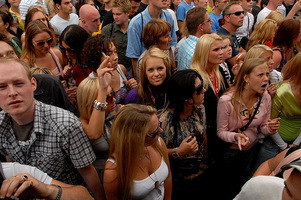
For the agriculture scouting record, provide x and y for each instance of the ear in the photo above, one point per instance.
(227, 18)
(246, 78)
(33, 83)
(6, 25)
(58, 6)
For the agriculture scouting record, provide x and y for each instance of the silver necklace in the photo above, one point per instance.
(156, 182)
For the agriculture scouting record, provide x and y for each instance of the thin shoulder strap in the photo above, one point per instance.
(288, 159)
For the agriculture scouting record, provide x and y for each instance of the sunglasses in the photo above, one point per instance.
(238, 13)
(41, 43)
(154, 134)
(70, 50)
(199, 89)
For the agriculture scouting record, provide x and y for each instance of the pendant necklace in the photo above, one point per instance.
(156, 182)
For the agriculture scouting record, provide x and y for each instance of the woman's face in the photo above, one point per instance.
(112, 53)
(154, 132)
(176, 2)
(198, 95)
(111, 100)
(164, 42)
(215, 53)
(39, 16)
(258, 79)
(155, 71)
(268, 57)
(69, 52)
(227, 49)
(42, 42)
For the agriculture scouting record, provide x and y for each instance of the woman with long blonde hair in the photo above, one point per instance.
(263, 33)
(138, 166)
(154, 73)
(206, 59)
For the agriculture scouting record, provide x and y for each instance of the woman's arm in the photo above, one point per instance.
(111, 182)
(95, 127)
(168, 181)
(267, 167)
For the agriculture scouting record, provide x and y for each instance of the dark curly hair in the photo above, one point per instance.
(91, 53)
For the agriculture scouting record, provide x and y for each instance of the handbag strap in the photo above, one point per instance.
(251, 119)
(288, 159)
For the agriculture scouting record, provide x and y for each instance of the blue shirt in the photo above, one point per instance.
(215, 25)
(135, 45)
(182, 9)
(186, 51)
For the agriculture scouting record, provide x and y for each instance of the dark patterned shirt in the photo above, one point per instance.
(58, 145)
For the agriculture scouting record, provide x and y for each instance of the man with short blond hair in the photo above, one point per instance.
(41, 135)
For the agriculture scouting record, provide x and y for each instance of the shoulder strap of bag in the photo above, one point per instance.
(250, 121)
(288, 159)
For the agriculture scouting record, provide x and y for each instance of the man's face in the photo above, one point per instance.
(234, 19)
(6, 50)
(278, 2)
(221, 4)
(289, 2)
(119, 16)
(16, 90)
(135, 6)
(207, 24)
(159, 4)
(66, 7)
(247, 4)
(92, 22)
(14, 3)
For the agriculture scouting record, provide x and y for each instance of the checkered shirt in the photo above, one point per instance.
(58, 144)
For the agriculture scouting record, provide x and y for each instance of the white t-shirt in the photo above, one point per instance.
(263, 14)
(13, 168)
(262, 188)
(59, 24)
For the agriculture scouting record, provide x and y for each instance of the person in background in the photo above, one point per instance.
(206, 59)
(241, 110)
(39, 48)
(246, 29)
(156, 34)
(216, 14)
(138, 166)
(15, 12)
(198, 23)
(182, 9)
(6, 22)
(263, 33)
(184, 125)
(118, 29)
(64, 17)
(89, 18)
(154, 74)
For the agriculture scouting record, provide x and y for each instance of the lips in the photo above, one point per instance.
(14, 102)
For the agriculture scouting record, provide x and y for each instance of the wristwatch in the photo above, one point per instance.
(175, 154)
(100, 106)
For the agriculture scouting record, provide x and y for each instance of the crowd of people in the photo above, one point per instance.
(150, 99)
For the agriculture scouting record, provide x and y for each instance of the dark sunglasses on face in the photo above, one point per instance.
(199, 89)
(153, 134)
(70, 50)
(238, 13)
(41, 43)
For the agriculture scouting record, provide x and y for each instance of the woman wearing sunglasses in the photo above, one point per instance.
(138, 166)
(184, 133)
(39, 48)
(72, 41)
(206, 59)
(96, 104)
(242, 111)
(154, 73)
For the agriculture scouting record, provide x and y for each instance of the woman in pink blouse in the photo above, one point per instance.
(246, 102)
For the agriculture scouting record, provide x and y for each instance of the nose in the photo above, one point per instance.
(169, 38)
(11, 91)
(156, 72)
